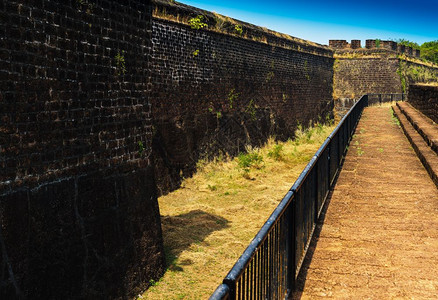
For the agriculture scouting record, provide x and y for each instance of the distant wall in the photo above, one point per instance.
(78, 210)
(361, 71)
(219, 91)
(374, 44)
(425, 99)
(357, 76)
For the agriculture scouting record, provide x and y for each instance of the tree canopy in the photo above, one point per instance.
(428, 50)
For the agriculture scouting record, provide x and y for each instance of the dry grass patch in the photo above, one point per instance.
(211, 219)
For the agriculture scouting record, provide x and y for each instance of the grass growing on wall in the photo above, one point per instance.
(415, 73)
(211, 219)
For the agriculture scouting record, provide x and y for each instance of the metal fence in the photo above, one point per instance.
(269, 266)
(378, 99)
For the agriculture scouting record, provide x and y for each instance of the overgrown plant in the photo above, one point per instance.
(238, 29)
(277, 152)
(251, 109)
(248, 160)
(197, 22)
(141, 148)
(378, 43)
(232, 96)
(120, 63)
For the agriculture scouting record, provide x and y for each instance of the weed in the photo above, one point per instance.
(276, 152)
(232, 96)
(394, 119)
(360, 152)
(269, 76)
(238, 29)
(303, 135)
(251, 109)
(319, 128)
(141, 147)
(212, 188)
(285, 97)
(120, 63)
(248, 160)
(218, 114)
(196, 52)
(378, 43)
(380, 150)
(197, 23)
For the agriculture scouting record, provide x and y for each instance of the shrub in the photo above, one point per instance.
(276, 152)
(248, 160)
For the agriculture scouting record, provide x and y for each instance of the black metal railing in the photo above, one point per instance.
(269, 266)
(374, 99)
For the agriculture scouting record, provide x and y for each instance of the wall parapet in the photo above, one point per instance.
(375, 44)
(182, 13)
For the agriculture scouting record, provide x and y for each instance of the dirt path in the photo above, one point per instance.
(380, 235)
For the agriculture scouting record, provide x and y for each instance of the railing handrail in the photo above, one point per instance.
(243, 260)
(229, 283)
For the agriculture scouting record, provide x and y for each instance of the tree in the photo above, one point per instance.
(429, 51)
(408, 43)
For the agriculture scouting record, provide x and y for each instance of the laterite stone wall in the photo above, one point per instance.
(425, 99)
(217, 92)
(357, 76)
(78, 208)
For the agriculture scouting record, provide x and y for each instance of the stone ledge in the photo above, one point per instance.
(428, 158)
(424, 125)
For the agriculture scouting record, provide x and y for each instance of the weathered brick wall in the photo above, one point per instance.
(357, 76)
(78, 209)
(217, 92)
(425, 99)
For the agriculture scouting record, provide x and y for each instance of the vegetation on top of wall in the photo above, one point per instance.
(378, 43)
(197, 22)
(408, 43)
(198, 19)
(415, 73)
(428, 50)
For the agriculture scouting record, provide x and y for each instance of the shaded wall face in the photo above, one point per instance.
(216, 92)
(78, 209)
(425, 99)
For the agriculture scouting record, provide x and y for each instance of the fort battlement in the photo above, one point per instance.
(374, 44)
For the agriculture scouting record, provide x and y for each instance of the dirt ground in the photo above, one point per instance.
(379, 239)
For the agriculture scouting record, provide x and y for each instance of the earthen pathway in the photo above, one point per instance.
(380, 235)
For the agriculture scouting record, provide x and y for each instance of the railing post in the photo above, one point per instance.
(232, 288)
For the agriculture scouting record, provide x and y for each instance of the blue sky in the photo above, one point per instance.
(319, 21)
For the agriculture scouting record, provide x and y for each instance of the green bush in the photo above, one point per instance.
(276, 152)
(197, 23)
(248, 160)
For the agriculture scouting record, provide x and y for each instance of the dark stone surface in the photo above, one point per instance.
(425, 99)
(78, 208)
(84, 237)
